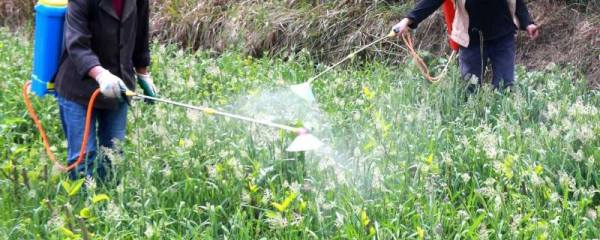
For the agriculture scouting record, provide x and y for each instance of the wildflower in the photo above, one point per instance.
(185, 143)
(367, 92)
(579, 108)
(276, 220)
(516, 221)
(339, 219)
(554, 197)
(90, 183)
(212, 171)
(535, 179)
(55, 222)
(120, 189)
(213, 69)
(585, 133)
(483, 232)
(566, 180)
(488, 141)
(166, 170)
(149, 230)
(356, 116)
(113, 153)
(296, 219)
(577, 156)
(554, 132)
(377, 178)
(245, 198)
(498, 202)
(552, 110)
(591, 214)
(465, 177)
(360, 102)
(446, 159)
(32, 194)
(266, 196)
(294, 187)
(113, 212)
(329, 205)
(555, 221)
(235, 164)
(590, 161)
(489, 182)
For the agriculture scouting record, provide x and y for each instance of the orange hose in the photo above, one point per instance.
(421, 64)
(38, 123)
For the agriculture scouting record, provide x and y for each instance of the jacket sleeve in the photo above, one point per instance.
(78, 37)
(423, 10)
(523, 15)
(141, 53)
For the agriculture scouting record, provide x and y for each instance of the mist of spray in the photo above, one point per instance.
(340, 152)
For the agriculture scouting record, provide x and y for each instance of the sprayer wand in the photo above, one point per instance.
(213, 111)
(349, 56)
(303, 142)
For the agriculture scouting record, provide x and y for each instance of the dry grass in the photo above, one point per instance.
(570, 36)
(329, 30)
(15, 12)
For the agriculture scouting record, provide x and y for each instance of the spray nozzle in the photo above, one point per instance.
(302, 131)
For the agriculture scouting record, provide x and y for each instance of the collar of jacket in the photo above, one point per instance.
(128, 7)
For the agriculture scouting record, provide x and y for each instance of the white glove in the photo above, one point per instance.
(110, 85)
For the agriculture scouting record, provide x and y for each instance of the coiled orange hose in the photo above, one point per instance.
(408, 41)
(38, 123)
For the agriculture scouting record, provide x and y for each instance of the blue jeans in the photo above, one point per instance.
(106, 127)
(499, 52)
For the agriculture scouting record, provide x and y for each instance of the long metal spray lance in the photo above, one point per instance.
(303, 90)
(304, 142)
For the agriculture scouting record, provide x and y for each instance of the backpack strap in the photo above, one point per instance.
(92, 16)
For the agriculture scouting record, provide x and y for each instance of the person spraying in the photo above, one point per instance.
(484, 30)
(106, 46)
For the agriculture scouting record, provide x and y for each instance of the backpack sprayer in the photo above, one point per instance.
(48, 37)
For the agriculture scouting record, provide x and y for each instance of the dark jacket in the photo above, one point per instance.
(95, 35)
(491, 17)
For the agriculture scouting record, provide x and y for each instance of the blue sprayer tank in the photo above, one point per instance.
(48, 37)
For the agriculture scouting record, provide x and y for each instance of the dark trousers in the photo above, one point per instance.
(499, 52)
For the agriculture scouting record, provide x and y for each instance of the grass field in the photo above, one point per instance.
(403, 159)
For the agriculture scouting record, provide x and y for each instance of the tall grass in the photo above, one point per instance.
(404, 158)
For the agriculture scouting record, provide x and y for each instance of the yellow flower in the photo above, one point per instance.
(420, 233)
(302, 206)
(286, 202)
(252, 187)
(371, 231)
(367, 92)
(538, 169)
(364, 219)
